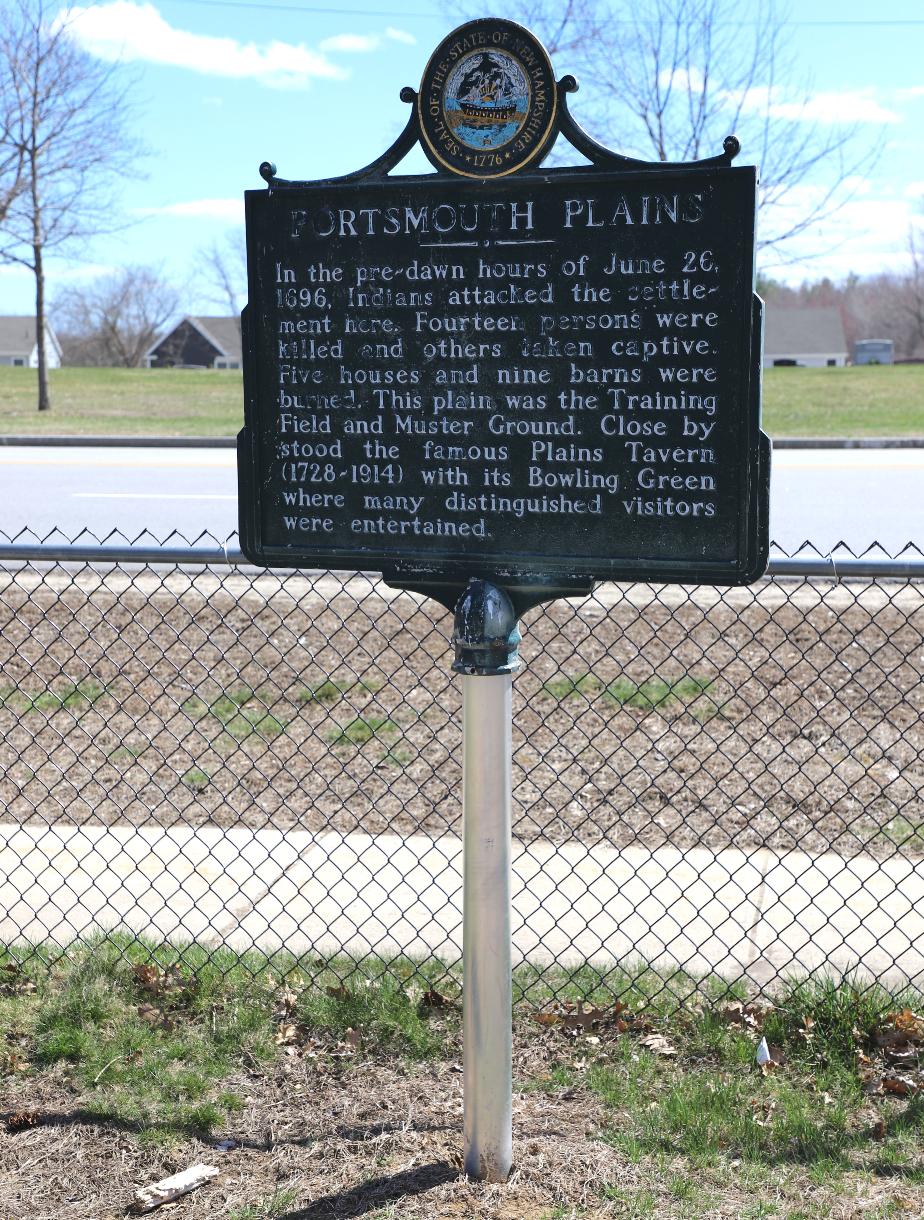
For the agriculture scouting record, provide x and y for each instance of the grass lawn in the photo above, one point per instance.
(869, 401)
(873, 400)
(122, 1064)
(124, 402)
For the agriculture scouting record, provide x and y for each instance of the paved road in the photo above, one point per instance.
(858, 496)
(106, 489)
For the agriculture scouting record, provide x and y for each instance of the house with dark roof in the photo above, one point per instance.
(807, 338)
(198, 342)
(19, 343)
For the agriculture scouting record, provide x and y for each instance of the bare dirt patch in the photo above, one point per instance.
(383, 1140)
(319, 1101)
(785, 716)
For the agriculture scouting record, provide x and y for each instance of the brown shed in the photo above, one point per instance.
(199, 342)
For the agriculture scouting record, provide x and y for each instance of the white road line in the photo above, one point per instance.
(224, 459)
(132, 462)
(145, 495)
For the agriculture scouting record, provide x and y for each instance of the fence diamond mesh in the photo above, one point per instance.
(706, 781)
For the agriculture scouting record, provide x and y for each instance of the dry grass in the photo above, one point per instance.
(348, 1102)
(384, 1140)
(385, 1137)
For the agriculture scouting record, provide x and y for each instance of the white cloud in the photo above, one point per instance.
(689, 80)
(350, 42)
(914, 190)
(854, 185)
(121, 29)
(229, 211)
(831, 106)
(400, 36)
(834, 106)
(867, 235)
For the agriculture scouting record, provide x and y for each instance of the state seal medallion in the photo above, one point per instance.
(487, 100)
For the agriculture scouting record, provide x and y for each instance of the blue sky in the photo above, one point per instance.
(226, 84)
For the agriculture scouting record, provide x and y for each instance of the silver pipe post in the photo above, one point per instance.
(486, 640)
(486, 995)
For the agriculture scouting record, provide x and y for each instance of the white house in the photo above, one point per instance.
(807, 338)
(19, 344)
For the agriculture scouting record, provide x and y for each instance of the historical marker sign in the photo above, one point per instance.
(513, 375)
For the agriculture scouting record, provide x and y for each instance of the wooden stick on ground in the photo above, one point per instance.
(165, 1191)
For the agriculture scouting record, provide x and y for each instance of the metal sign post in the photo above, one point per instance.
(486, 639)
(496, 384)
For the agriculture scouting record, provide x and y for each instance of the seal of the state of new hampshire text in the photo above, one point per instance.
(487, 100)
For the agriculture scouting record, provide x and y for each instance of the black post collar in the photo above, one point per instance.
(486, 635)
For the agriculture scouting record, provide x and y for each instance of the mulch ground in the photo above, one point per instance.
(808, 732)
(382, 1140)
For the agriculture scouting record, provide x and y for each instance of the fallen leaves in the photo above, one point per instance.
(13, 1061)
(762, 1111)
(14, 980)
(901, 1086)
(296, 1039)
(352, 1038)
(899, 1042)
(659, 1045)
(911, 1024)
(21, 1120)
(901, 1035)
(749, 1015)
(286, 1033)
(431, 998)
(167, 985)
(166, 989)
(574, 1017)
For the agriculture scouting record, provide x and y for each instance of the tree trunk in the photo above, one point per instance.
(44, 399)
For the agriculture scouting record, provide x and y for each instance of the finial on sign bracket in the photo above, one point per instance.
(602, 157)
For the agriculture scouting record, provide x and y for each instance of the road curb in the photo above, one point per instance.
(126, 442)
(230, 442)
(849, 442)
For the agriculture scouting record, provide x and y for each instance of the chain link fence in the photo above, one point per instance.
(706, 781)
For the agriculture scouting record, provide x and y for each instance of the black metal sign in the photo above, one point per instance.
(536, 378)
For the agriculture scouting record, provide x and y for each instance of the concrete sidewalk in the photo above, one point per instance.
(728, 912)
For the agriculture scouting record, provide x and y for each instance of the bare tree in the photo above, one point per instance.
(224, 268)
(12, 154)
(913, 297)
(672, 78)
(68, 127)
(888, 305)
(114, 320)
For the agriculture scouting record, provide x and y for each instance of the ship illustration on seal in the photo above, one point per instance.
(486, 99)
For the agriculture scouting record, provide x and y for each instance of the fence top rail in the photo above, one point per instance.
(833, 567)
